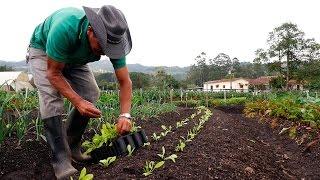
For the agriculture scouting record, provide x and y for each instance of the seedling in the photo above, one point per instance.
(172, 157)
(135, 128)
(180, 146)
(163, 152)
(130, 150)
(106, 162)
(155, 137)
(151, 166)
(146, 144)
(166, 130)
(84, 175)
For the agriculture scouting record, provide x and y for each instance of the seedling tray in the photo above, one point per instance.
(119, 146)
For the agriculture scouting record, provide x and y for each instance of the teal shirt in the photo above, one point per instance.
(63, 36)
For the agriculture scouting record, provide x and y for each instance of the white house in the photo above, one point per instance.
(236, 84)
(15, 81)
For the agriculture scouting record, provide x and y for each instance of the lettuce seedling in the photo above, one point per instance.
(84, 175)
(163, 152)
(180, 146)
(130, 150)
(151, 166)
(155, 137)
(172, 157)
(106, 162)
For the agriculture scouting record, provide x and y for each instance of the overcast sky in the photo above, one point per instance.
(172, 32)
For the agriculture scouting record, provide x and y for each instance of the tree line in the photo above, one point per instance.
(289, 56)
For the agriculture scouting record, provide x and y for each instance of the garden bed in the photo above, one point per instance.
(229, 146)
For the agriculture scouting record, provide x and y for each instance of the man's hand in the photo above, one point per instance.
(123, 126)
(87, 109)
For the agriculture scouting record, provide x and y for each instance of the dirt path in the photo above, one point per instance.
(229, 146)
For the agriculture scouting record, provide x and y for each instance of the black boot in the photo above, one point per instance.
(76, 125)
(56, 137)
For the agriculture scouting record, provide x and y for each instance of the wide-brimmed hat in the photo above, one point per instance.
(111, 29)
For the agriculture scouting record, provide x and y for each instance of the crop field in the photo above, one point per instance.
(191, 135)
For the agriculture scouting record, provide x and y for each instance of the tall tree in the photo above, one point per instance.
(286, 48)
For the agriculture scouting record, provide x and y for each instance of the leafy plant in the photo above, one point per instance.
(130, 150)
(84, 175)
(180, 146)
(155, 137)
(106, 162)
(172, 157)
(108, 133)
(162, 154)
(151, 166)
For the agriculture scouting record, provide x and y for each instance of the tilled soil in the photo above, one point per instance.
(229, 146)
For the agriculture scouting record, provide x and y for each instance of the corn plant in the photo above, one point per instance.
(106, 162)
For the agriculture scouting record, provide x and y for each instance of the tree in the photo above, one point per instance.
(288, 49)
(162, 80)
(6, 68)
(140, 80)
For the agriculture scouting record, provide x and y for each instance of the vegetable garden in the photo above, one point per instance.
(193, 135)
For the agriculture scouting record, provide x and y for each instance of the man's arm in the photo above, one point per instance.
(125, 89)
(57, 80)
(124, 124)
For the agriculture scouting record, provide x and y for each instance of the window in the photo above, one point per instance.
(224, 86)
(217, 86)
(211, 87)
(241, 86)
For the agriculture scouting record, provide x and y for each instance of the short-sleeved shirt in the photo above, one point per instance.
(63, 36)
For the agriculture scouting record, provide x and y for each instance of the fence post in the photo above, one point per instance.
(225, 95)
(186, 99)
(181, 94)
(207, 100)
(171, 95)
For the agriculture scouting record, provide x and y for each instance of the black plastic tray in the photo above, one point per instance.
(119, 146)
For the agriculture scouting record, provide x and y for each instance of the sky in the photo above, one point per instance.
(171, 32)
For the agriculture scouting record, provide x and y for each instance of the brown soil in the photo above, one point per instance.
(229, 146)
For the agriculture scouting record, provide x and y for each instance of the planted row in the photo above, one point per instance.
(151, 166)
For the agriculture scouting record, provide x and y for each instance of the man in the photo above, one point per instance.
(60, 49)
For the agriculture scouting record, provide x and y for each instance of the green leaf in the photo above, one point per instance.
(83, 173)
(88, 177)
(159, 164)
(172, 157)
(147, 173)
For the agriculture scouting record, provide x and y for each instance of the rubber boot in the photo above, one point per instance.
(56, 138)
(76, 125)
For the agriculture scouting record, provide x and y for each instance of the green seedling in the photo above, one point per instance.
(84, 175)
(162, 154)
(146, 144)
(190, 136)
(134, 127)
(106, 162)
(180, 146)
(151, 166)
(172, 157)
(155, 137)
(130, 150)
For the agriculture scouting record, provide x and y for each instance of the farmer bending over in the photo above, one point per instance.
(60, 49)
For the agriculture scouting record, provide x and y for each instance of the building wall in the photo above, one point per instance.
(239, 85)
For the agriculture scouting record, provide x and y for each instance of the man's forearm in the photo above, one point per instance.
(125, 96)
(58, 81)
